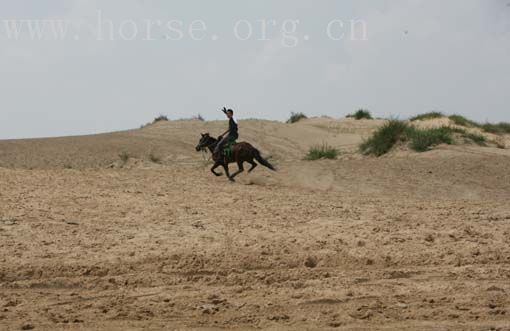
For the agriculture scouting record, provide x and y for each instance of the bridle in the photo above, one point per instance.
(204, 148)
(212, 142)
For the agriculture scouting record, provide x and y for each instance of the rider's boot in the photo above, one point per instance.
(217, 155)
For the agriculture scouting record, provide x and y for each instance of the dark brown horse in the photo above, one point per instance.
(241, 152)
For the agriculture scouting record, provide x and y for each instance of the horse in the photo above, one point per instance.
(241, 152)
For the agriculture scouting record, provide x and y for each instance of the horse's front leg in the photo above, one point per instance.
(216, 165)
(225, 166)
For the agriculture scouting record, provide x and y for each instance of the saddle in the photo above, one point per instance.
(228, 148)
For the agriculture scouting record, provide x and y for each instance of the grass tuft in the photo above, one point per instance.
(296, 117)
(361, 114)
(386, 137)
(161, 118)
(462, 121)
(427, 116)
(420, 140)
(423, 140)
(476, 138)
(323, 151)
(499, 128)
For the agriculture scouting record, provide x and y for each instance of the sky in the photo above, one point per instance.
(123, 62)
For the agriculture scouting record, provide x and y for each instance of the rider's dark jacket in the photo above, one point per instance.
(232, 128)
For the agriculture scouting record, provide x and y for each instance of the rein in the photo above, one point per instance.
(204, 155)
(204, 150)
(209, 145)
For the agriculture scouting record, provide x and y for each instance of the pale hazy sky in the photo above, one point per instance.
(420, 55)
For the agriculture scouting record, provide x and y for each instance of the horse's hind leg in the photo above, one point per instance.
(241, 169)
(253, 166)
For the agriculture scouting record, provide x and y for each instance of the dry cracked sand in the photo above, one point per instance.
(403, 242)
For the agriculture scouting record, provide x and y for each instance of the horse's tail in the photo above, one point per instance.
(263, 161)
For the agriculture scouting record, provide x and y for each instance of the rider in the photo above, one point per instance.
(231, 134)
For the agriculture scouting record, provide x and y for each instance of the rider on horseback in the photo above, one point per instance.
(230, 135)
(239, 153)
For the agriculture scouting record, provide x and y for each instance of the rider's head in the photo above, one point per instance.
(230, 113)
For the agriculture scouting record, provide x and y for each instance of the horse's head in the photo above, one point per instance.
(205, 141)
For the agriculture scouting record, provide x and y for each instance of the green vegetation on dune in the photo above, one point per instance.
(161, 118)
(296, 117)
(323, 151)
(427, 116)
(499, 128)
(361, 114)
(463, 121)
(419, 140)
(386, 137)
(476, 138)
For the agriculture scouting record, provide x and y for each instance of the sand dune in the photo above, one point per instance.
(405, 241)
(176, 140)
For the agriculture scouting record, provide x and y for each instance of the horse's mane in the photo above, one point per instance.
(210, 138)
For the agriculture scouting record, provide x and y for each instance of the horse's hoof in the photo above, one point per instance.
(219, 175)
(232, 180)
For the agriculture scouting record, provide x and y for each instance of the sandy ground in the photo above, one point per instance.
(403, 242)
